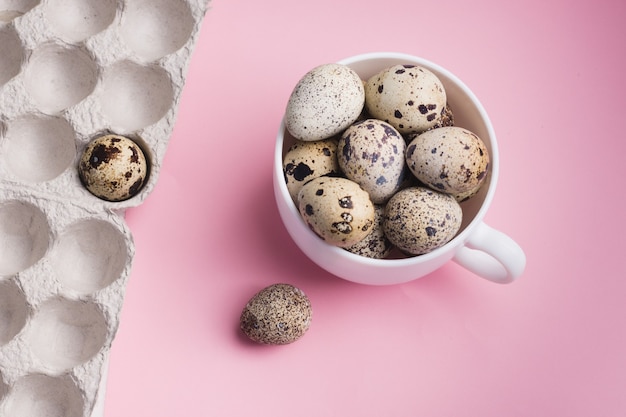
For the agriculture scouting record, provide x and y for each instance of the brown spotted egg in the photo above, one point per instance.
(461, 197)
(449, 159)
(277, 315)
(411, 98)
(371, 153)
(113, 168)
(375, 245)
(325, 101)
(337, 209)
(419, 220)
(307, 160)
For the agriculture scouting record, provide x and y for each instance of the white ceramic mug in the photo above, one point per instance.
(481, 249)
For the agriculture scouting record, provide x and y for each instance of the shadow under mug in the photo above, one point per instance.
(487, 252)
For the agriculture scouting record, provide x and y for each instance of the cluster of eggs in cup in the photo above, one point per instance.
(375, 164)
(378, 164)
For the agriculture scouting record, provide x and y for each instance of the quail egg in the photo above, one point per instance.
(418, 220)
(337, 209)
(307, 160)
(449, 159)
(409, 97)
(327, 100)
(371, 153)
(375, 245)
(277, 315)
(113, 168)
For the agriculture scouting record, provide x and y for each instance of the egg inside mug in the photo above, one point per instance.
(468, 113)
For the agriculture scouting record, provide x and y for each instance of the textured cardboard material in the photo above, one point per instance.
(71, 70)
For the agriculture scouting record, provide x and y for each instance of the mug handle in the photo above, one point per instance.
(491, 254)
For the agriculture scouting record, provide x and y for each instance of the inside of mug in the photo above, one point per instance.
(466, 113)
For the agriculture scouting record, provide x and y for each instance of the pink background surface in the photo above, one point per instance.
(550, 74)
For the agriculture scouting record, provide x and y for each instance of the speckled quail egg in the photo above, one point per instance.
(449, 159)
(446, 119)
(277, 315)
(337, 209)
(307, 160)
(462, 197)
(419, 220)
(409, 97)
(375, 245)
(113, 168)
(371, 153)
(325, 101)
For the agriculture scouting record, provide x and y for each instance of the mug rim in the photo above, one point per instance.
(461, 237)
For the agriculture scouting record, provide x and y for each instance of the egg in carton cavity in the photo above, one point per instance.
(71, 71)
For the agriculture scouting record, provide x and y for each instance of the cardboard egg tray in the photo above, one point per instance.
(72, 70)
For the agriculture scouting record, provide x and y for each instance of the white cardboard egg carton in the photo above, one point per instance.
(71, 70)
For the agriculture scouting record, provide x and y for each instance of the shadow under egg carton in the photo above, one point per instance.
(70, 71)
